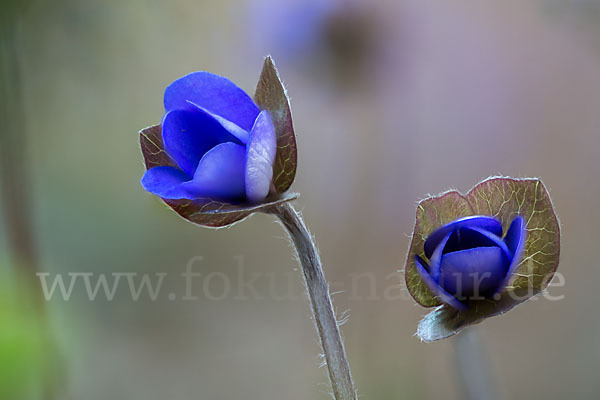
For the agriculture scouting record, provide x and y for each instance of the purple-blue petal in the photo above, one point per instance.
(189, 134)
(435, 288)
(241, 134)
(489, 224)
(468, 238)
(260, 157)
(515, 235)
(436, 257)
(220, 173)
(216, 94)
(515, 241)
(476, 271)
(166, 182)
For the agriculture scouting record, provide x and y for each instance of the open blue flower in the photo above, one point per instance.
(469, 259)
(223, 145)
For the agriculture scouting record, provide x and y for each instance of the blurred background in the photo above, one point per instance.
(391, 101)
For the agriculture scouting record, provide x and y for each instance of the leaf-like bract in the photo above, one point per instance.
(431, 214)
(270, 95)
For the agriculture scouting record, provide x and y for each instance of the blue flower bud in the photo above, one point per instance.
(469, 259)
(479, 254)
(223, 145)
(218, 156)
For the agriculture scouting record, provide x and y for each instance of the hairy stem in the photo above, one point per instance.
(318, 291)
(476, 379)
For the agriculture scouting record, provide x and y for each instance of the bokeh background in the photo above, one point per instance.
(391, 101)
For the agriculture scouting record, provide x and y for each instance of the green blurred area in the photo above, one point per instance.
(391, 101)
(20, 352)
(29, 364)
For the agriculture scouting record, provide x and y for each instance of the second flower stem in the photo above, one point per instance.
(318, 291)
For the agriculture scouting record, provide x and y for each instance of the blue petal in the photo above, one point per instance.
(515, 236)
(260, 157)
(220, 173)
(216, 94)
(241, 134)
(469, 238)
(489, 224)
(189, 134)
(435, 288)
(515, 241)
(436, 258)
(166, 182)
(476, 271)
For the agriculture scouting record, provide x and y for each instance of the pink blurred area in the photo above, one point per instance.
(391, 101)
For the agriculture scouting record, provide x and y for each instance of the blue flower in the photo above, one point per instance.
(479, 254)
(469, 258)
(223, 145)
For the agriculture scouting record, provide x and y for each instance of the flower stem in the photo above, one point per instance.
(318, 291)
(473, 367)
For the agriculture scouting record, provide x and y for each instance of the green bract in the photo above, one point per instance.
(504, 199)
